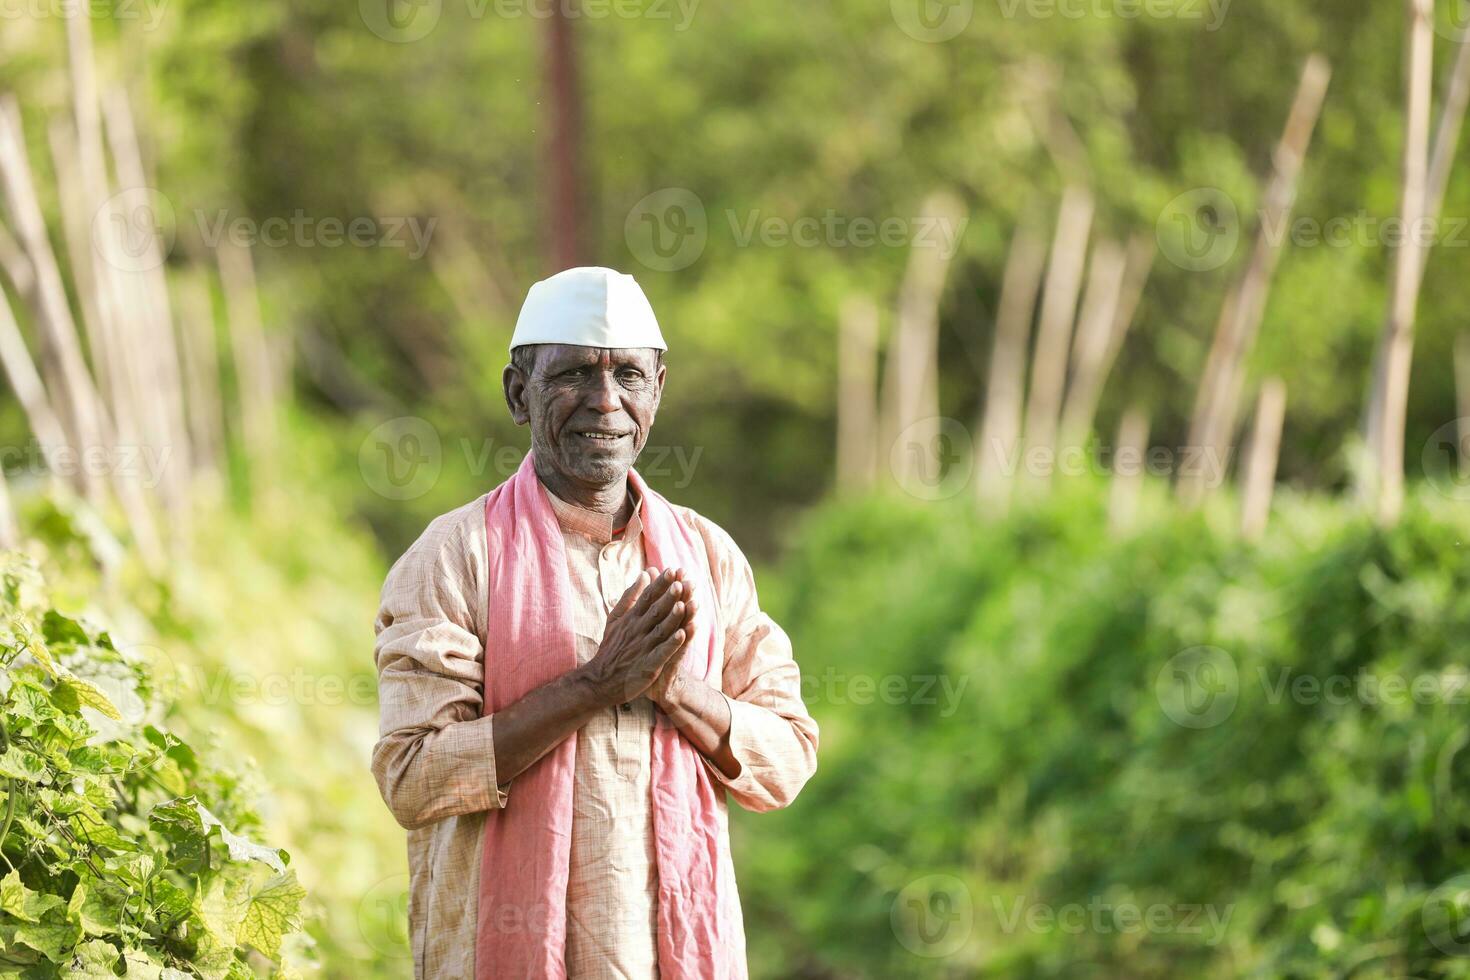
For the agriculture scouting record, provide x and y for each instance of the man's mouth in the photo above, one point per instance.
(601, 438)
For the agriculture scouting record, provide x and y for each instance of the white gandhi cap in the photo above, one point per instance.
(588, 307)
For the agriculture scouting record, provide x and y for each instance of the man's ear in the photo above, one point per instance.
(514, 383)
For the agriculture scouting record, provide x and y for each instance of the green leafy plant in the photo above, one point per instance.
(119, 857)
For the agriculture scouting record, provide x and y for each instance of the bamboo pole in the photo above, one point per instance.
(1441, 161)
(1092, 340)
(1130, 459)
(1216, 406)
(912, 382)
(200, 354)
(1391, 380)
(857, 408)
(76, 399)
(1141, 251)
(9, 531)
(17, 267)
(1260, 463)
(1447, 129)
(1462, 399)
(1000, 424)
(28, 388)
(1137, 266)
(93, 294)
(156, 323)
(255, 382)
(1054, 328)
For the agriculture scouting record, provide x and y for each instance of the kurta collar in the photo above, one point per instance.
(596, 526)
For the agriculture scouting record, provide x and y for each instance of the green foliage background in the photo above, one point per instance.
(1059, 775)
(1299, 828)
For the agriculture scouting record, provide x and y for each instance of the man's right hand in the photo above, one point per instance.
(645, 632)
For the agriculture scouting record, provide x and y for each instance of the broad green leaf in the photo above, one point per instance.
(59, 629)
(97, 831)
(101, 910)
(53, 940)
(95, 960)
(181, 819)
(36, 647)
(22, 764)
(22, 902)
(171, 902)
(275, 911)
(73, 693)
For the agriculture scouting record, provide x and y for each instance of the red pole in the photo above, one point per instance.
(563, 150)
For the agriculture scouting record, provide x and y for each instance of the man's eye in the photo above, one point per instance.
(573, 373)
(631, 377)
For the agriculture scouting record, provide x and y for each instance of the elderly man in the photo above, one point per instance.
(574, 674)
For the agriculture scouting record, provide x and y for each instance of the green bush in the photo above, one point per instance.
(1066, 771)
(126, 854)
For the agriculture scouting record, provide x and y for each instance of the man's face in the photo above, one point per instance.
(589, 408)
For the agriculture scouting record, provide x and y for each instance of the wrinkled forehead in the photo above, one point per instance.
(558, 357)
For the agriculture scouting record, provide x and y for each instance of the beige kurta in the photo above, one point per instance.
(435, 760)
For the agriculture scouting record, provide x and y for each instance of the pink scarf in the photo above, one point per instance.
(529, 641)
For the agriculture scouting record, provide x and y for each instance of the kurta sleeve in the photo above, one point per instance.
(435, 755)
(772, 735)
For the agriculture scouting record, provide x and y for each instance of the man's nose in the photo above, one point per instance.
(604, 394)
